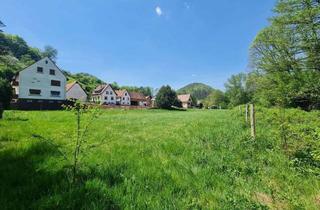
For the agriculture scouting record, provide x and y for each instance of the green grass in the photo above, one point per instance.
(150, 159)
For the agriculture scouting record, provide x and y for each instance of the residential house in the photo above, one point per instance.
(186, 100)
(74, 91)
(123, 97)
(138, 99)
(39, 86)
(104, 94)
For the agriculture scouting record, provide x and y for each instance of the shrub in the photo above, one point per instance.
(166, 98)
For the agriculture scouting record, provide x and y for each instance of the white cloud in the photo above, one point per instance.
(158, 11)
(186, 5)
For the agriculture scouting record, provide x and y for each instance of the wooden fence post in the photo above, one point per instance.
(253, 121)
(247, 113)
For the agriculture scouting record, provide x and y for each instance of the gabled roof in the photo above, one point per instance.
(44, 59)
(136, 96)
(184, 98)
(70, 85)
(121, 93)
(100, 89)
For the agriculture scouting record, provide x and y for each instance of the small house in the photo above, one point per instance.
(74, 91)
(104, 94)
(123, 97)
(186, 100)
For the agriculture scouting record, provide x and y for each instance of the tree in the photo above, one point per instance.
(216, 98)
(2, 25)
(236, 90)
(166, 98)
(50, 52)
(5, 95)
(287, 55)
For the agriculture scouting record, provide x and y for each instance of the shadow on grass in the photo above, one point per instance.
(24, 184)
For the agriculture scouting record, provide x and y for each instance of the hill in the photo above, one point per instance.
(199, 91)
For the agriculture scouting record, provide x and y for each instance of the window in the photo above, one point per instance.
(107, 92)
(106, 98)
(111, 93)
(52, 72)
(46, 62)
(55, 93)
(125, 94)
(39, 69)
(123, 98)
(34, 92)
(111, 98)
(55, 83)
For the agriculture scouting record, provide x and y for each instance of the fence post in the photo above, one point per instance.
(247, 113)
(253, 121)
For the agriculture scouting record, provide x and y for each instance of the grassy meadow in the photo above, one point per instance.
(155, 159)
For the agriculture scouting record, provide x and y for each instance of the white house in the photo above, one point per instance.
(42, 83)
(104, 94)
(123, 97)
(75, 91)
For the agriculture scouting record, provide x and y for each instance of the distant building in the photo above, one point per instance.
(138, 99)
(75, 91)
(39, 86)
(123, 97)
(104, 94)
(186, 100)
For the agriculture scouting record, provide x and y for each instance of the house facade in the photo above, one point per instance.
(123, 97)
(186, 100)
(41, 85)
(104, 94)
(74, 91)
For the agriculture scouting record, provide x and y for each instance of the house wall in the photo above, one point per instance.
(76, 92)
(125, 99)
(29, 78)
(108, 96)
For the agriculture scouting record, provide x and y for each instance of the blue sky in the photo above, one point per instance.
(143, 42)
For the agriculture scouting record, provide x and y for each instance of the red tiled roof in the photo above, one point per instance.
(184, 98)
(120, 93)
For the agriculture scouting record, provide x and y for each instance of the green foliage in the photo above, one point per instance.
(236, 90)
(5, 93)
(216, 98)
(287, 56)
(158, 159)
(166, 98)
(147, 91)
(87, 81)
(198, 90)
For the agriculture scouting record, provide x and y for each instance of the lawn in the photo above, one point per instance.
(149, 159)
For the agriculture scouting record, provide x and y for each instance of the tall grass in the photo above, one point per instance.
(153, 159)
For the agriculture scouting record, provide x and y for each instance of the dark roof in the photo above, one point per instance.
(136, 96)
(100, 89)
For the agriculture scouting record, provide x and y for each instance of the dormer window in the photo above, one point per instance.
(52, 72)
(39, 70)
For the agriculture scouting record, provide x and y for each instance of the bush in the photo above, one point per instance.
(166, 98)
(5, 93)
